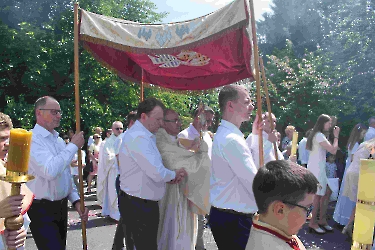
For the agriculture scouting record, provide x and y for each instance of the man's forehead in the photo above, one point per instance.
(52, 103)
(5, 132)
(157, 111)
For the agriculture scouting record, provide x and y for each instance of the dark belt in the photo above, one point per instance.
(231, 211)
(123, 194)
(51, 203)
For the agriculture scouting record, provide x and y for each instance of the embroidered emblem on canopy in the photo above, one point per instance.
(203, 53)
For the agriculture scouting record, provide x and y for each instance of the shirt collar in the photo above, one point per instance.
(140, 126)
(44, 132)
(231, 127)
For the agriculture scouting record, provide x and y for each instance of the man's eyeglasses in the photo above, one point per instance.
(96, 137)
(307, 209)
(119, 128)
(54, 111)
(174, 121)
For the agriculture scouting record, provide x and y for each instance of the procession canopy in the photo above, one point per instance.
(203, 53)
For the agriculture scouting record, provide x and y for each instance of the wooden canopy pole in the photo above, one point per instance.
(268, 103)
(78, 119)
(142, 87)
(256, 65)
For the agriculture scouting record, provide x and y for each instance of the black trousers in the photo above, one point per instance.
(230, 229)
(141, 218)
(49, 221)
(121, 232)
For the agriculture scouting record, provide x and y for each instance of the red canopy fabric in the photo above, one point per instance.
(203, 53)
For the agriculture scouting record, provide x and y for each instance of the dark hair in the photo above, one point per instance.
(132, 116)
(355, 135)
(308, 132)
(282, 181)
(228, 93)
(371, 121)
(148, 105)
(318, 127)
(42, 101)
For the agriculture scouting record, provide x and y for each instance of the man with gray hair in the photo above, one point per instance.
(106, 187)
(371, 129)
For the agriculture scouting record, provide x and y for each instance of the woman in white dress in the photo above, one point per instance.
(352, 175)
(318, 145)
(344, 205)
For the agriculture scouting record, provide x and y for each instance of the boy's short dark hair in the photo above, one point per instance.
(132, 116)
(282, 181)
(148, 105)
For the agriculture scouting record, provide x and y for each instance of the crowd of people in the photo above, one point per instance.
(161, 182)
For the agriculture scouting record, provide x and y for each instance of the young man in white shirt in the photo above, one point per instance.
(143, 176)
(232, 171)
(50, 160)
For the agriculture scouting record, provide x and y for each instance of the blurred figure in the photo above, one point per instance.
(371, 130)
(94, 158)
(288, 136)
(303, 153)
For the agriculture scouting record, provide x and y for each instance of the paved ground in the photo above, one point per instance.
(100, 232)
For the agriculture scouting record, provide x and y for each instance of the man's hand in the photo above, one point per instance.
(78, 139)
(85, 215)
(11, 206)
(336, 132)
(272, 137)
(15, 239)
(180, 175)
(257, 125)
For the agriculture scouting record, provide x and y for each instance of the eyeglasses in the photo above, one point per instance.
(54, 111)
(174, 121)
(119, 128)
(96, 137)
(307, 209)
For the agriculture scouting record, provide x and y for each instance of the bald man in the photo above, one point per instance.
(106, 188)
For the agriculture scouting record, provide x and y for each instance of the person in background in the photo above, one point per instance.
(303, 153)
(288, 136)
(278, 142)
(94, 157)
(371, 129)
(97, 130)
(344, 205)
(318, 145)
(331, 167)
(74, 168)
(284, 193)
(287, 152)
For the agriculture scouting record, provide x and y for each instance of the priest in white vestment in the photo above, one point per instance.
(181, 202)
(108, 169)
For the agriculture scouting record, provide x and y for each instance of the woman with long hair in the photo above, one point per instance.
(344, 205)
(350, 188)
(318, 145)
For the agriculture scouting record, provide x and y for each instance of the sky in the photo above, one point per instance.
(181, 10)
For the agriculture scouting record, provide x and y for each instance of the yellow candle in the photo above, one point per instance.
(294, 144)
(19, 150)
(365, 209)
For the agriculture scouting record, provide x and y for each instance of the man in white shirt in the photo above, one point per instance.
(106, 187)
(193, 132)
(371, 129)
(232, 171)
(50, 160)
(269, 137)
(303, 153)
(143, 176)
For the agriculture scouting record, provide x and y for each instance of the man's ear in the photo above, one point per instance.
(278, 209)
(144, 117)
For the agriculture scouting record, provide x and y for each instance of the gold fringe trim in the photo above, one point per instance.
(361, 246)
(371, 203)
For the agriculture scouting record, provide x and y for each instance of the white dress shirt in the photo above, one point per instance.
(191, 133)
(142, 173)
(303, 153)
(268, 150)
(50, 160)
(232, 170)
(370, 134)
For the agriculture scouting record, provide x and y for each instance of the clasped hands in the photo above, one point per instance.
(180, 175)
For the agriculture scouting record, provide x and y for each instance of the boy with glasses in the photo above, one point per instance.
(284, 193)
